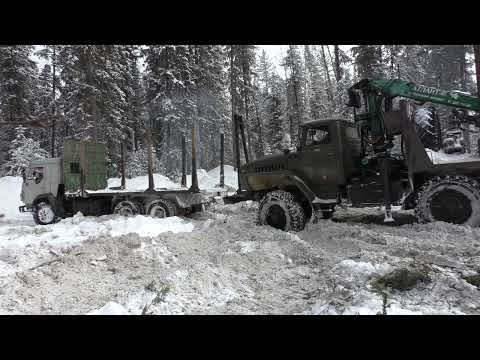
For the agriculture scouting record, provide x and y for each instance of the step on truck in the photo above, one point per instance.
(60, 187)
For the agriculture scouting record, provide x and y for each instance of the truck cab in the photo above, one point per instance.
(41, 178)
(328, 154)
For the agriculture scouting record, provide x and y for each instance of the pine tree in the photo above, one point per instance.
(295, 91)
(22, 152)
(368, 61)
(17, 87)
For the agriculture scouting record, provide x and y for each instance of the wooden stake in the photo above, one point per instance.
(122, 152)
(184, 163)
(151, 184)
(222, 159)
(194, 188)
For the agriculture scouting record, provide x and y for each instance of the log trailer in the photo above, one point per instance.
(60, 187)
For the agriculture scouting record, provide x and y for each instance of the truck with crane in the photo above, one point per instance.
(343, 161)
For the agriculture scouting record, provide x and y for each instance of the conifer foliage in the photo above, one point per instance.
(114, 93)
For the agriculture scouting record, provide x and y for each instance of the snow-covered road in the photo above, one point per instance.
(221, 262)
(229, 265)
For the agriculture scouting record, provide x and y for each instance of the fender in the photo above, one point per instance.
(49, 197)
(281, 180)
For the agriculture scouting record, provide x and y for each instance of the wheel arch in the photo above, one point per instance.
(45, 198)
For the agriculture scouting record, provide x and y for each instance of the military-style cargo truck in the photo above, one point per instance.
(338, 160)
(56, 188)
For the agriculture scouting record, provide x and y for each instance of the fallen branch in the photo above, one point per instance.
(46, 263)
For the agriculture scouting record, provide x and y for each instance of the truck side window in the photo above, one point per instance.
(318, 137)
(74, 168)
(37, 175)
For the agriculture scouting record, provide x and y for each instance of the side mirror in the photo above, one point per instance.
(354, 99)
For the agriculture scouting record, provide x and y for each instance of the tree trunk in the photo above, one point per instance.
(329, 91)
(246, 83)
(476, 49)
(463, 68)
(233, 106)
(338, 70)
(53, 101)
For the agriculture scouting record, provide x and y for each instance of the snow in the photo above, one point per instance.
(221, 262)
(10, 188)
(140, 183)
(211, 179)
(79, 228)
(440, 157)
(207, 180)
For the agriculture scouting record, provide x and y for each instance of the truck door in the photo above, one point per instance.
(316, 162)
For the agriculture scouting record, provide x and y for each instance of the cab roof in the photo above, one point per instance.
(323, 122)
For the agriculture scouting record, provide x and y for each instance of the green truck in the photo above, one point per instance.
(56, 188)
(351, 161)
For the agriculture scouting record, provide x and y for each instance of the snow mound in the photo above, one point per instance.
(10, 189)
(80, 228)
(209, 180)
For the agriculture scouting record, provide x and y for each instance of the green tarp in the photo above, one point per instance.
(84, 159)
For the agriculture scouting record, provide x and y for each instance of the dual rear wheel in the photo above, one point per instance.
(159, 208)
(452, 199)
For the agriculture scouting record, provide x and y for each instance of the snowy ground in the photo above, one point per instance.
(220, 262)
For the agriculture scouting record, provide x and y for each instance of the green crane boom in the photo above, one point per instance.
(377, 92)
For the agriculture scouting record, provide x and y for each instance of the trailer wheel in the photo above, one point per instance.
(126, 208)
(44, 214)
(161, 208)
(280, 209)
(453, 199)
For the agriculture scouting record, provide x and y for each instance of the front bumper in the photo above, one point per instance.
(24, 208)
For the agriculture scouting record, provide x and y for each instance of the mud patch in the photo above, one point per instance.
(402, 279)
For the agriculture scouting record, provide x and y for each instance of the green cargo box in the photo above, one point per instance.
(89, 157)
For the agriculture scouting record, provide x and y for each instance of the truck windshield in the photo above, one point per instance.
(34, 173)
(317, 136)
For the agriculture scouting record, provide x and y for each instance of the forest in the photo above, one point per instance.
(112, 93)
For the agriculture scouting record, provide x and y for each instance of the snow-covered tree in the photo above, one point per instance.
(23, 151)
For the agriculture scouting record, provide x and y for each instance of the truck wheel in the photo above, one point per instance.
(453, 199)
(281, 210)
(126, 208)
(161, 208)
(44, 214)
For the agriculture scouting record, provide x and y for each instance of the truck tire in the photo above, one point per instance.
(281, 210)
(453, 199)
(161, 208)
(44, 214)
(126, 208)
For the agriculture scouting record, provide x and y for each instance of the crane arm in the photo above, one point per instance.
(375, 91)
(395, 87)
